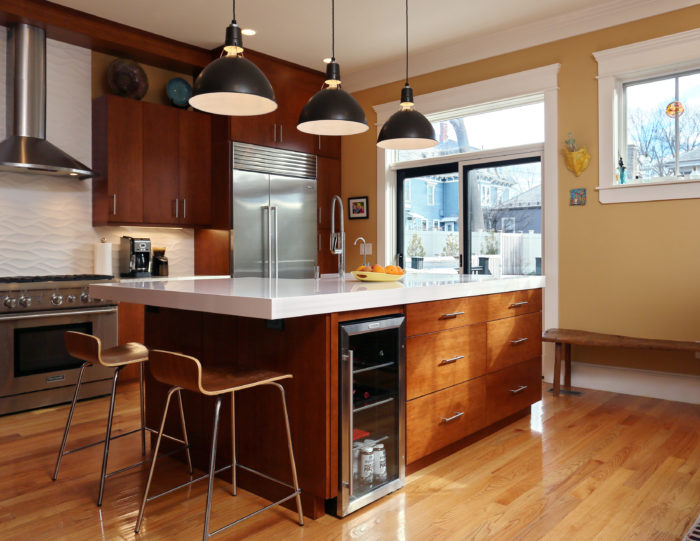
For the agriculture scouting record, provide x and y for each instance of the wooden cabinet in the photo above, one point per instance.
(293, 86)
(327, 145)
(438, 419)
(117, 140)
(438, 360)
(470, 362)
(327, 185)
(154, 163)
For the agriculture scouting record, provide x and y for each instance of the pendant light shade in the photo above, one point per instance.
(332, 111)
(407, 129)
(232, 85)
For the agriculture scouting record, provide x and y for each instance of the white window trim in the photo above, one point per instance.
(633, 62)
(541, 80)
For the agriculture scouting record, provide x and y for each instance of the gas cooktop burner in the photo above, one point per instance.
(53, 278)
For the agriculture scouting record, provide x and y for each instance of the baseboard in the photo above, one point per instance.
(664, 385)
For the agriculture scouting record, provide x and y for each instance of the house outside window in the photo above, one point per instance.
(431, 194)
(661, 136)
(407, 191)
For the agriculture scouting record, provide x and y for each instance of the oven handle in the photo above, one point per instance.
(57, 314)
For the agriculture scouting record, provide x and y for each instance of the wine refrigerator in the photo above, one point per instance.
(372, 398)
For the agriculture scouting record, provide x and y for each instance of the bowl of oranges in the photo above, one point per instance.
(377, 273)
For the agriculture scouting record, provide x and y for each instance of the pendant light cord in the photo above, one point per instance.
(406, 42)
(234, 10)
(333, 30)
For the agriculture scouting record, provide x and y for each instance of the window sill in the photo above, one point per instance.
(651, 191)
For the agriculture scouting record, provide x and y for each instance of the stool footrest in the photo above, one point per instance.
(249, 515)
(191, 481)
(147, 461)
(261, 474)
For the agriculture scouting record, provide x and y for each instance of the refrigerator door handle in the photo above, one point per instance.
(266, 249)
(276, 245)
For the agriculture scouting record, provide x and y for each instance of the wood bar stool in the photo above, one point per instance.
(88, 349)
(185, 372)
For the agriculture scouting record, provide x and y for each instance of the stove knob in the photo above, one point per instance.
(70, 299)
(56, 299)
(84, 297)
(26, 302)
(10, 302)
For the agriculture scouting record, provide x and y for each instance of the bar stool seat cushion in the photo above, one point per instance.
(131, 352)
(187, 372)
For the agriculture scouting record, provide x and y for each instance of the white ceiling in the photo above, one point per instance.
(370, 33)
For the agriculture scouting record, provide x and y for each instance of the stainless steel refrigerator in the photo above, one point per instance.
(274, 212)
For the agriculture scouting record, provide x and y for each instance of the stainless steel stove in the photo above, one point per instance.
(35, 312)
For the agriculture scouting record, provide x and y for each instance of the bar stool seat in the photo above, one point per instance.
(185, 372)
(88, 348)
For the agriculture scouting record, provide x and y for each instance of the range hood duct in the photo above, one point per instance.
(26, 149)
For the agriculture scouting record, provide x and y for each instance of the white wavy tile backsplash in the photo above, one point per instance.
(46, 222)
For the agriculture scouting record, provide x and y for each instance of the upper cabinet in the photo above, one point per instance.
(153, 164)
(293, 87)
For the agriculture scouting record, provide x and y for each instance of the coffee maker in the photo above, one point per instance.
(134, 257)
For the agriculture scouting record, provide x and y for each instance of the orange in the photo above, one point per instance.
(363, 268)
(377, 268)
(391, 269)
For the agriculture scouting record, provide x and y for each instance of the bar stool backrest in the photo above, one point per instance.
(85, 347)
(176, 369)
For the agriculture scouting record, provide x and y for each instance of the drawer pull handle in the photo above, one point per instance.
(518, 341)
(450, 361)
(516, 304)
(519, 389)
(452, 315)
(455, 416)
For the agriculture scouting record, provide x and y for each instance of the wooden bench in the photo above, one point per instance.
(567, 337)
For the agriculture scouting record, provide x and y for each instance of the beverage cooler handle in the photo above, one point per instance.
(349, 406)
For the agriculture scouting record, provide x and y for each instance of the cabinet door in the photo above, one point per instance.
(327, 145)
(160, 164)
(328, 185)
(124, 160)
(293, 88)
(327, 262)
(259, 129)
(194, 152)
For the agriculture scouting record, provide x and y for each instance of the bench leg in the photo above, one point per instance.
(567, 368)
(557, 368)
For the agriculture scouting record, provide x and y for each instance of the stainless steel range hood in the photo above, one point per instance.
(26, 149)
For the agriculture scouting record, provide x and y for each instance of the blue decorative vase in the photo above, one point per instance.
(179, 92)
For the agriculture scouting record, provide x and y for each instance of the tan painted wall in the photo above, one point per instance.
(157, 79)
(630, 268)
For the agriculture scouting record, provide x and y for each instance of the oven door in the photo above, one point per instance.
(34, 361)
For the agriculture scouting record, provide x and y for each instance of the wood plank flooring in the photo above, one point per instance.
(600, 466)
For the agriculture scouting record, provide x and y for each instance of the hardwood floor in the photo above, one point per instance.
(600, 466)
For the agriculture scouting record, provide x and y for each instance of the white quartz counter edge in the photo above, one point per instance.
(294, 298)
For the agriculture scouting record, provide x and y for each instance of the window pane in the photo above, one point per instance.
(483, 131)
(505, 219)
(431, 224)
(689, 125)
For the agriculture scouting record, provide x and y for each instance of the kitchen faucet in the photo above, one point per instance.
(364, 247)
(338, 239)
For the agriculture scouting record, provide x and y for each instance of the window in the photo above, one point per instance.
(642, 89)
(661, 134)
(436, 225)
(407, 191)
(431, 195)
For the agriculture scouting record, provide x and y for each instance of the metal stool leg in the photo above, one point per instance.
(184, 431)
(143, 411)
(62, 450)
(291, 453)
(155, 456)
(212, 466)
(233, 444)
(108, 437)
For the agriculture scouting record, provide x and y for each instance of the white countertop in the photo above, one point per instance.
(285, 298)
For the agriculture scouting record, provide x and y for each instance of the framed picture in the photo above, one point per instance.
(358, 207)
(577, 197)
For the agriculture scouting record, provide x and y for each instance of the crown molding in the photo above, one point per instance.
(475, 48)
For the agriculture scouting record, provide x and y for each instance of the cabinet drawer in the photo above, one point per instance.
(513, 389)
(433, 316)
(513, 303)
(442, 359)
(438, 419)
(513, 340)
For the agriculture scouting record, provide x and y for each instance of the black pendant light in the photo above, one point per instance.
(332, 111)
(233, 85)
(407, 129)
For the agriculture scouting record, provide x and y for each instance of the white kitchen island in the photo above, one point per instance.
(488, 329)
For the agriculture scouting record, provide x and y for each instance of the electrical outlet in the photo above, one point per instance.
(366, 249)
